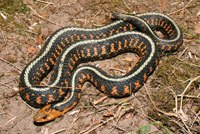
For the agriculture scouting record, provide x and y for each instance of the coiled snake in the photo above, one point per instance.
(68, 47)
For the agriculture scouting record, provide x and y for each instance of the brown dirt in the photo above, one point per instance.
(20, 41)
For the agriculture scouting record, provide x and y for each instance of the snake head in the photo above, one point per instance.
(47, 113)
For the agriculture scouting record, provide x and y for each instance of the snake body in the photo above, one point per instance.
(68, 47)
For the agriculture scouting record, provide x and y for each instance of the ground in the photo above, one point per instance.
(169, 102)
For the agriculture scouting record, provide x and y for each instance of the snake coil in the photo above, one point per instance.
(68, 47)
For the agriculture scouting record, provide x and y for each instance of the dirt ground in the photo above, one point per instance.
(169, 102)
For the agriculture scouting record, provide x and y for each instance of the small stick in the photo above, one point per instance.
(100, 100)
(2, 113)
(117, 69)
(181, 105)
(58, 131)
(188, 130)
(192, 80)
(196, 118)
(4, 84)
(49, 3)
(126, 5)
(181, 8)
(42, 17)
(10, 64)
(163, 6)
(88, 131)
(190, 96)
(176, 100)
(180, 125)
(182, 53)
(10, 120)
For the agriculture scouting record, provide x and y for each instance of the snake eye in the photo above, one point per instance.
(45, 117)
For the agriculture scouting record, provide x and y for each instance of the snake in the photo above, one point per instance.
(68, 47)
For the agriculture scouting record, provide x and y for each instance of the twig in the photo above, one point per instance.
(119, 115)
(126, 6)
(97, 111)
(29, 31)
(180, 125)
(118, 102)
(6, 85)
(100, 100)
(42, 17)
(176, 100)
(49, 3)
(73, 122)
(98, 13)
(182, 95)
(121, 129)
(163, 6)
(10, 120)
(190, 96)
(192, 64)
(2, 113)
(181, 8)
(10, 64)
(181, 113)
(196, 117)
(88, 131)
(117, 69)
(182, 53)
(188, 130)
(58, 131)
(93, 105)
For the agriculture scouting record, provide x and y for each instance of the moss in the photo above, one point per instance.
(166, 121)
(172, 73)
(10, 8)
(13, 6)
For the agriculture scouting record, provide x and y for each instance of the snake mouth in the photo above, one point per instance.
(46, 114)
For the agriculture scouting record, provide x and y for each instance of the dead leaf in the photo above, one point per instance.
(128, 116)
(96, 123)
(39, 40)
(198, 13)
(127, 68)
(0, 48)
(12, 59)
(109, 114)
(87, 125)
(45, 15)
(197, 29)
(23, 41)
(117, 67)
(129, 59)
(31, 50)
